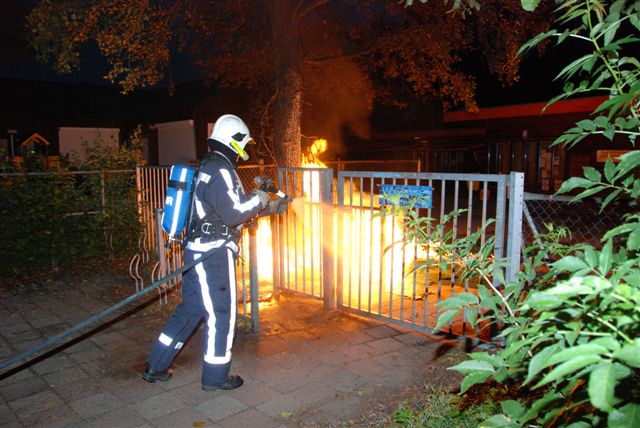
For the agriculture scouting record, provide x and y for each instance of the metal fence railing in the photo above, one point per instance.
(379, 278)
(155, 259)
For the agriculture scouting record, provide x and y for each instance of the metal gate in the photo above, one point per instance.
(334, 243)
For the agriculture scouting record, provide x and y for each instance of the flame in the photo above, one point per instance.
(374, 259)
(312, 158)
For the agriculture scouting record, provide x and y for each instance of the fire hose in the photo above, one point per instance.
(87, 322)
(267, 186)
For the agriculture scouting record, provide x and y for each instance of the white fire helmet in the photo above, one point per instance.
(231, 131)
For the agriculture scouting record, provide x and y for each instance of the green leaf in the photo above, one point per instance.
(602, 383)
(609, 133)
(570, 366)
(472, 379)
(498, 421)
(472, 366)
(539, 362)
(608, 342)
(589, 192)
(629, 354)
(540, 405)
(627, 416)
(529, 5)
(575, 351)
(605, 258)
(570, 264)
(573, 182)
(445, 318)
(541, 301)
(633, 243)
(592, 174)
(512, 408)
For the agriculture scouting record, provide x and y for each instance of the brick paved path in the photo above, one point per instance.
(306, 367)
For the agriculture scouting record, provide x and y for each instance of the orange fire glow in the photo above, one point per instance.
(371, 251)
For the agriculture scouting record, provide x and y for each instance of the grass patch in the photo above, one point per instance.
(441, 409)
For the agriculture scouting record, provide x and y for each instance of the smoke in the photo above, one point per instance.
(338, 103)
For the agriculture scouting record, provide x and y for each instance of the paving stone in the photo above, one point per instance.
(79, 389)
(192, 395)
(96, 404)
(80, 345)
(347, 410)
(335, 357)
(287, 359)
(187, 417)
(359, 351)
(365, 367)
(15, 326)
(6, 417)
(134, 390)
(53, 364)
(397, 360)
(314, 394)
(387, 344)
(380, 331)
(35, 403)
(107, 336)
(121, 417)
(285, 403)
(19, 337)
(17, 376)
(412, 338)
(220, 407)
(60, 416)
(43, 319)
(344, 381)
(157, 406)
(286, 380)
(87, 355)
(23, 388)
(253, 393)
(65, 376)
(249, 418)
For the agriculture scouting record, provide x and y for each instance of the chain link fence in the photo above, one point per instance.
(582, 218)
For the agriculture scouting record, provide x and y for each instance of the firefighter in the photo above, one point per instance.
(219, 211)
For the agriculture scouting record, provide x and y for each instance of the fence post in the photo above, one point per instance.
(514, 229)
(328, 280)
(162, 251)
(253, 277)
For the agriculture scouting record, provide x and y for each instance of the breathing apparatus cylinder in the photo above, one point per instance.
(177, 202)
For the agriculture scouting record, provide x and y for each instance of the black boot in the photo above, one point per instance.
(232, 382)
(151, 375)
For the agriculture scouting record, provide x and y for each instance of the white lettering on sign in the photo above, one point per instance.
(169, 200)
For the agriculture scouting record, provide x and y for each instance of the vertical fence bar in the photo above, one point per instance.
(514, 230)
(340, 260)
(253, 278)
(327, 274)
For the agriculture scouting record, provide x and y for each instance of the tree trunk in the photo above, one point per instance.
(288, 104)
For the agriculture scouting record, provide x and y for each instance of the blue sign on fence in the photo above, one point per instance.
(418, 196)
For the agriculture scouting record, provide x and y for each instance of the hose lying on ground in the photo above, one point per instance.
(83, 324)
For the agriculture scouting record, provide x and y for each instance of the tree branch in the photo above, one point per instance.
(321, 60)
(313, 6)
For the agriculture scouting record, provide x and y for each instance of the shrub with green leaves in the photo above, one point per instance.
(569, 325)
(63, 217)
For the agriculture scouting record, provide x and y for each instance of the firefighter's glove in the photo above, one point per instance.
(264, 197)
(278, 205)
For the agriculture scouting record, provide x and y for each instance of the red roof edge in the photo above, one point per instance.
(577, 105)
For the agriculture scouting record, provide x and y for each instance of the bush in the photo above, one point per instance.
(570, 322)
(63, 217)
